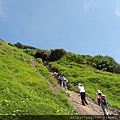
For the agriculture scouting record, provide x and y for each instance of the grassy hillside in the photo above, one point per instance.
(24, 89)
(92, 79)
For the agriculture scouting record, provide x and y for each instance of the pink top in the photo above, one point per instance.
(99, 97)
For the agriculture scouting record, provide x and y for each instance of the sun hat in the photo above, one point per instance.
(103, 95)
(79, 84)
(98, 92)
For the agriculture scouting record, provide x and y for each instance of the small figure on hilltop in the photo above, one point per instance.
(82, 93)
(102, 101)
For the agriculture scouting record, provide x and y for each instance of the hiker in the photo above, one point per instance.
(102, 101)
(65, 82)
(82, 93)
(55, 74)
(60, 78)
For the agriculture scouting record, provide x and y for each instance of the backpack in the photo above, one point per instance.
(104, 101)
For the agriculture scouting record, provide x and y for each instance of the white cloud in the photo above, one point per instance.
(117, 8)
(87, 5)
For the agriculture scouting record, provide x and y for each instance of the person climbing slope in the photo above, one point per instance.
(82, 94)
(65, 82)
(102, 101)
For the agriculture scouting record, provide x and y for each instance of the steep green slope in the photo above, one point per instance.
(24, 89)
(92, 79)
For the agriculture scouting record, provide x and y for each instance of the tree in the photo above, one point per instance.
(43, 54)
(56, 54)
(106, 63)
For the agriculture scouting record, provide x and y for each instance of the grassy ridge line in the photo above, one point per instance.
(92, 80)
(25, 91)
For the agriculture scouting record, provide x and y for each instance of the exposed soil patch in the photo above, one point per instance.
(91, 109)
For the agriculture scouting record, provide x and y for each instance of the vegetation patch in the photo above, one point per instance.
(24, 90)
(92, 79)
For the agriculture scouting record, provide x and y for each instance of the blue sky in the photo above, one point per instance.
(79, 26)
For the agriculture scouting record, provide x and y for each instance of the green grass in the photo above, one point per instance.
(92, 80)
(25, 90)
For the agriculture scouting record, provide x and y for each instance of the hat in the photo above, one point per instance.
(98, 92)
(79, 84)
(103, 95)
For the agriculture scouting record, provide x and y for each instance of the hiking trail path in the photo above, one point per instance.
(91, 109)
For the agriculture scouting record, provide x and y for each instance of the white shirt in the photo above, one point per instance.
(81, 88)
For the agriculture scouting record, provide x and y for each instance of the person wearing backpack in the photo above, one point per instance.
(102, 101)
(61, 80)
(65, 82)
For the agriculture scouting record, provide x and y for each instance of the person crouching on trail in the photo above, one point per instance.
(102, 101)
(82, 93)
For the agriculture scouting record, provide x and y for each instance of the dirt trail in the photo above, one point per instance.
(91, 109)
